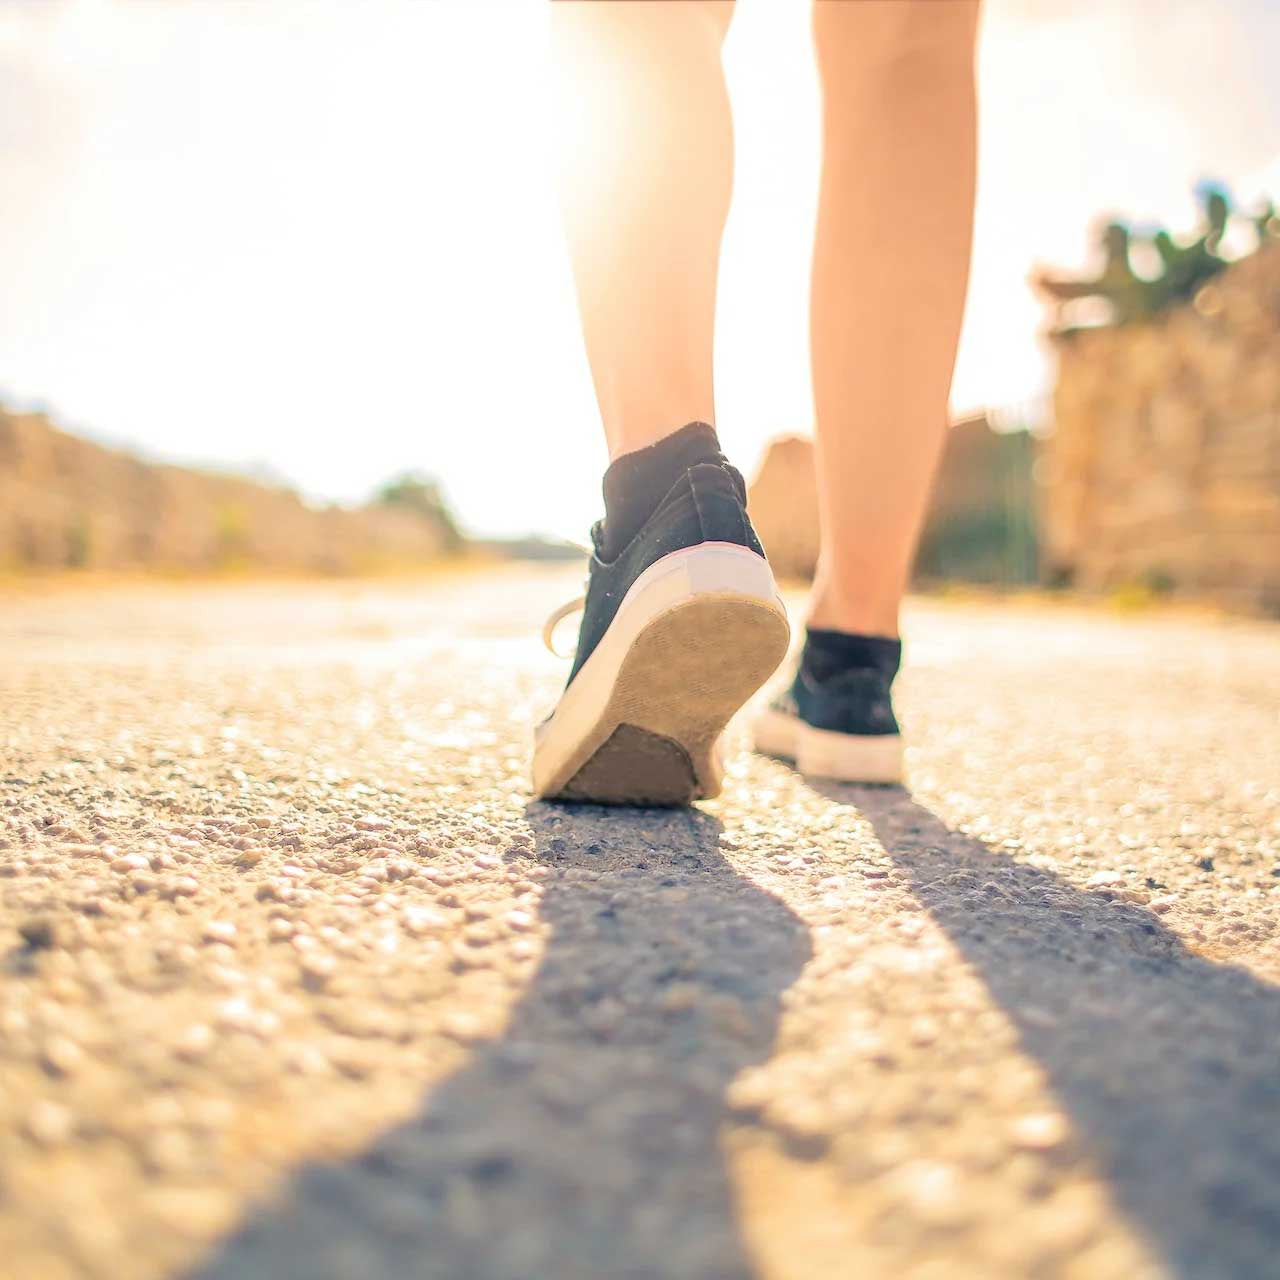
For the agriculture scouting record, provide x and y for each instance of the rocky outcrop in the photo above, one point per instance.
(783, 502)
(1164, 463)
(68, 503)
(980, 522)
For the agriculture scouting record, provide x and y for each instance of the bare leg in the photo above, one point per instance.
(646, 171)
(890, 269)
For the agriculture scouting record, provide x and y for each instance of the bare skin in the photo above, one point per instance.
(646, 176)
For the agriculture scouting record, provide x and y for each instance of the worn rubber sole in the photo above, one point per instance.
(696, 635)
(822, 753)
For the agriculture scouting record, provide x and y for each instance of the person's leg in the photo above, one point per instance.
(645, 149)
(681, 620)
(890, 269)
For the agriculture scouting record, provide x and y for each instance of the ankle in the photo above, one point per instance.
(830, 654)
(862, 615)
(636, 483)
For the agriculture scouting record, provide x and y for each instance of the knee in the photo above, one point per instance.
(894, 45)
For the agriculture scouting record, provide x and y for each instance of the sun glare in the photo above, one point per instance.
(322, 239)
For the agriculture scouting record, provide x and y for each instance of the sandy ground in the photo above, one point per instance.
(297, 983)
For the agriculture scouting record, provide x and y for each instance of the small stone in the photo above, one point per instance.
(371, 823)
(38, 933)
(167, 1152)
(750, 1093)
(1164, 903)
(249, 857)
(1103, 879)
(194, 1042)
(219, 931)
(519, 921)
(181, 887)
(463, 1027)
(237, 1014)
(280, 929)
(61, 1056)
(1039, 1131)
(933, 1191)
(49, 1123)
(680, 997)
(306, 1060)
(317, 968)
(131, 862)
(420, 920)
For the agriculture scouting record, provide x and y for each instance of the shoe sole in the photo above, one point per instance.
(823, 753)
(698, 633)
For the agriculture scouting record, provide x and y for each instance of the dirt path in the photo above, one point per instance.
(295, 982)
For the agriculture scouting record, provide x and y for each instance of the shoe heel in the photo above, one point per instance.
(848, 757)
(692, 642)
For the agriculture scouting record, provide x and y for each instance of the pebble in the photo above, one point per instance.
(131, 862)
(420, 920)
(371, 823)
(462, 1026)
(194, 1042)
(1103, 879)
(1039, 1131)
(237, 1014)
(181, 887)
(317, 968)
(48, 1123)
(219, 931)
(38, 933)
(933, 1192)
(306, 1060)
(61, 1056)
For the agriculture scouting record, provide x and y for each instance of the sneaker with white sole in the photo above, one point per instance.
(680, 628)
(835, 718)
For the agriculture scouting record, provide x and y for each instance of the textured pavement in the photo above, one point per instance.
(296, 982)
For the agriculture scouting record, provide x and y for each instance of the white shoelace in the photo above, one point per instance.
(557, 617)
(566, 610)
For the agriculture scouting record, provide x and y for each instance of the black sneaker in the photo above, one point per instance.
(680, 627)
(835, 719)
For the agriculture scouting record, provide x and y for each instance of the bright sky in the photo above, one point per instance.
(319, 237)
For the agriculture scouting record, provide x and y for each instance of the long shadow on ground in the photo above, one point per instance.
(585, 1141)
(1168, 1064)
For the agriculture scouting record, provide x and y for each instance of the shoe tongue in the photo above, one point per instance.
(637, 482)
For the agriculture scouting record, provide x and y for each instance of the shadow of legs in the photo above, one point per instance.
(585, 1141)
(1168, 1064)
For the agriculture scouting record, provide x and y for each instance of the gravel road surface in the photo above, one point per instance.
(296, 982)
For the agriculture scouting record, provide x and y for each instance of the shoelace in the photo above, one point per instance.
(557, 617)
(571, 606)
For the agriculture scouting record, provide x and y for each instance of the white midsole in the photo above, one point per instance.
(711, 569)
(823, 753)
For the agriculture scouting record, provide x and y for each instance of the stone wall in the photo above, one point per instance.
(1163, 467)
(68, 503)
(981, 514)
